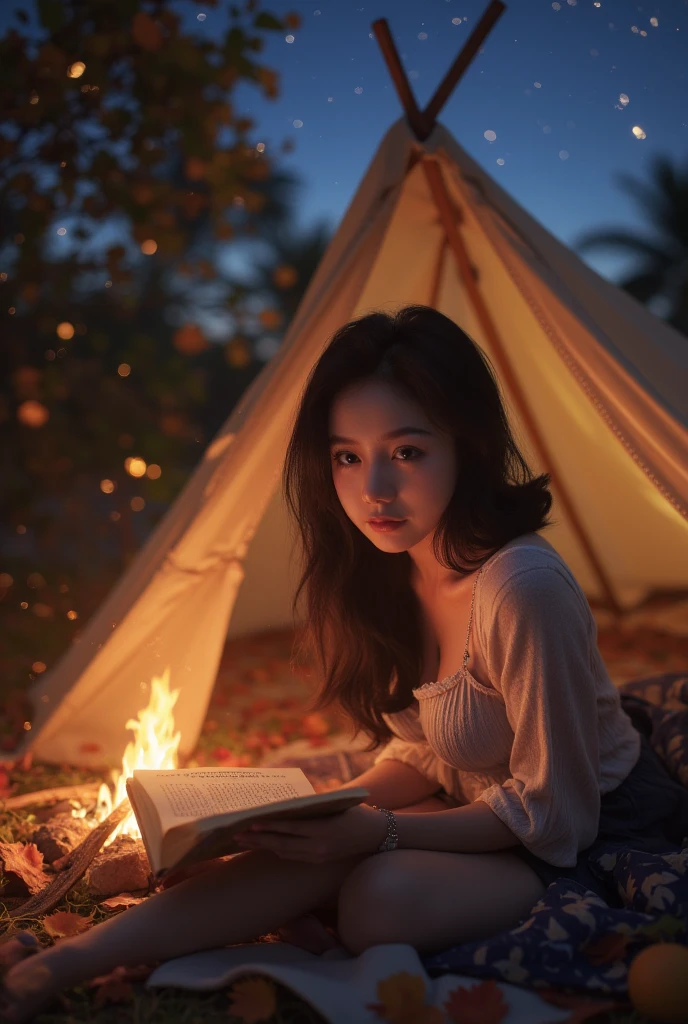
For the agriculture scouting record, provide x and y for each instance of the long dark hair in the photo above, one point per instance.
(363, 625)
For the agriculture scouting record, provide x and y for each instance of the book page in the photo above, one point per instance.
(187, 794)
(192, 841)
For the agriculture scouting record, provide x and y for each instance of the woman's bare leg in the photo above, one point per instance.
(310, 931)
(237, 901)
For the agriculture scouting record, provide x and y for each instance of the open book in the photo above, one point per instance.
(187, 815)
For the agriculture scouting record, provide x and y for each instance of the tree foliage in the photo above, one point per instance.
(127, 169)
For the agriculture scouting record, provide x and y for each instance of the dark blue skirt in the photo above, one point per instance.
(647, 812)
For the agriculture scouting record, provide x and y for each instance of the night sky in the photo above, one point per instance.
(548, 83)
(562, 142)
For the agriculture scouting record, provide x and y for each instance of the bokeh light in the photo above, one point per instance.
(135, 466)
(149, 247)
(285, 276)
(189, 340)
(154, 471)
(238, 353)
(32, 413)
(76, 69)
(107, 486)
(124, 369)
(137, 504)
(65, 330)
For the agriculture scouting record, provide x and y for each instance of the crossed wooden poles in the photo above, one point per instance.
(422, 123)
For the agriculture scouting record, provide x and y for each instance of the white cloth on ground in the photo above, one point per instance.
(338, 985)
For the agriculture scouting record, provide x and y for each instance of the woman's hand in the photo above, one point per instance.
(359, 830)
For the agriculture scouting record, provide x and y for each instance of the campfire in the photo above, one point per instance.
(155, 745)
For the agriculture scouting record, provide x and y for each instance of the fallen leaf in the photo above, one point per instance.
(402, 1001)
(64, 924)
(121, 902)
(22, 864)
(253, 1000)
(116, 987)
(315, 725)
(484, 1003)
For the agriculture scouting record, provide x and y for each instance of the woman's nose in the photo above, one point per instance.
(378, 487)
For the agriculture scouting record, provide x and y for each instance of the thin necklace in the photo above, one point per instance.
(470, 618)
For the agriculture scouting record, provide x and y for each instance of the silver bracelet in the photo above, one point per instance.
(391, 839)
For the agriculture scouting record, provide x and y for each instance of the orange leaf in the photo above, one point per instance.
(23, 863)
(64, 924)
(484, 1003)
(253, 1000)
(116, 987)
(146, 32)
(121, 902)
(606, 950)
(315, 725)
(402, 1001)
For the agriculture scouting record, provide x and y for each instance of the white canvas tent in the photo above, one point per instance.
(596, 386)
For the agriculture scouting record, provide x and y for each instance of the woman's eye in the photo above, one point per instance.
(336, 458)
(412, 454)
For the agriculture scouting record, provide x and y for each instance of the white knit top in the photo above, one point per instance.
(546, 737)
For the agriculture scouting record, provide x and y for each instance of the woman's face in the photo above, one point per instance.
(409, 476)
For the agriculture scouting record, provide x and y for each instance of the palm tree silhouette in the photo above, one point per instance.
(661, 278)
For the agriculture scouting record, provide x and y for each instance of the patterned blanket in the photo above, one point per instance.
(573, 939)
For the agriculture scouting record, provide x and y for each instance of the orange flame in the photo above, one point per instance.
(155, 745)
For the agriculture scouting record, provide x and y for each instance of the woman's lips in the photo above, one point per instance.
(387, 527)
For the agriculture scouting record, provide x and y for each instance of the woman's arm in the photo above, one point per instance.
(473, 828)
(394, 784)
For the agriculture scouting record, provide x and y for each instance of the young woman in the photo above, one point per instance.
(445, 624)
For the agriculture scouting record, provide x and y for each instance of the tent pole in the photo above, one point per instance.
(408, 101)
(456, 71)
(442, 201)
(423, 121)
